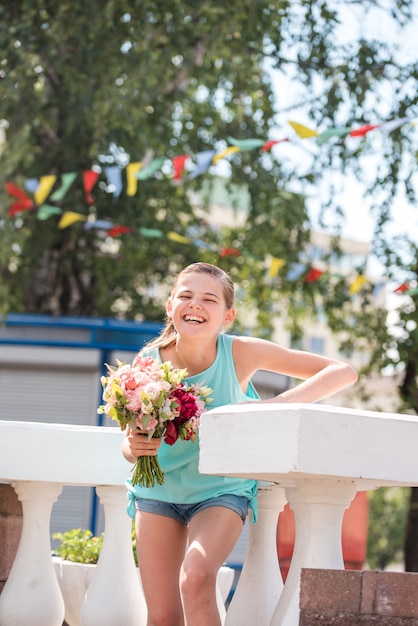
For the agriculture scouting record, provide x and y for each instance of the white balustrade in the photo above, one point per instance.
(315, 456)
(321, 456)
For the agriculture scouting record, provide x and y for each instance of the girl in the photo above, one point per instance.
(187, 527)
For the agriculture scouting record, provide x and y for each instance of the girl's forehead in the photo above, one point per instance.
(199, 282)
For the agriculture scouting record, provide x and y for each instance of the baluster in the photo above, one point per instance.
(31, 595)
(260, 584)
(319, 507)
(115, 596)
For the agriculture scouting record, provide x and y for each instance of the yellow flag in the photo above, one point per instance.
(225, 153)
(303, 131)
(275, 267)
(176, 237)
(45, 185)
(357, 284)
(132, 181)
(69, 218)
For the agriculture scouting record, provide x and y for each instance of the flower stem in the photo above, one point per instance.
(147, 471)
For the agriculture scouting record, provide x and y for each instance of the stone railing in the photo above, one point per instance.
(314, 456)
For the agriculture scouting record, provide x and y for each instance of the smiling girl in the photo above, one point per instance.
(188, 526)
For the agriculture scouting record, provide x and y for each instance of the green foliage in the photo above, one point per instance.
(81, 546)
(388, 510)
(82, 88)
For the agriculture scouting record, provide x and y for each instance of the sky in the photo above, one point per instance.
(358, 223)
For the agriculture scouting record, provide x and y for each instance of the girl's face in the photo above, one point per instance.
(197, 305)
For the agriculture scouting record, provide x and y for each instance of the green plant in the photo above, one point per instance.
(81, 546)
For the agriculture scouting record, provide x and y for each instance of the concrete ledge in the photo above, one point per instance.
(353, 598)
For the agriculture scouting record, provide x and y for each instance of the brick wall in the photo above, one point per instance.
(10, 529)
(357, 598)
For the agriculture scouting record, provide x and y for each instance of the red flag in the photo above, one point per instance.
(119, 230)
(363, 130)
(223, 252)
(269, 144)
(24, 203)
(313, 275)
(89, 180)
(178, 165)
(401, 288)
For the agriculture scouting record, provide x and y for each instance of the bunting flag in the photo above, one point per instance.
(269, 144)
(303, 131)
(332, 132)
(363, 130)
(89, 180)
(114, 179)
(151, 232)
(66, 182)
(224, 252)
(313, 275)
(47, 210)
(357, 284)
(295, 271)
(246, 144)
(23, 203)
(178, 165)
(225, 153)
(402, 288)
(203, 162)
(98, 225)
(148, 170)
(44, 188)
(69, 218)
(275, 267)
(31, 184)
(117, 230)
(177, 238)
(132, 170)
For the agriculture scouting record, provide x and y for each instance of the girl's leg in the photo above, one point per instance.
(161, 544)
(213, 532)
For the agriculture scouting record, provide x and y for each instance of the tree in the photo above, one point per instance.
(133, 81)
(83, 88)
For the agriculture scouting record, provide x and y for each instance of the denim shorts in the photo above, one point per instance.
(184, 512)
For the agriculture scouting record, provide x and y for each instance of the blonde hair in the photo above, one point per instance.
(169, 334)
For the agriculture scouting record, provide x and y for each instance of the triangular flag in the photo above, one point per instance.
(303, 131)
(394, 124)
(178, 238)
(272, 142)
(203, 162)
(246, 144)
(148, 170)
(224, 252)
(225, 153)
(178, 165)
(132, 181)
(275, 267)
(295, 271)
(151, 232)
(46, 210)
(313, 275)
(402, 288)
(67, 180)
(363, 130)
(69, 218)
(357, 284)
(24, 203)
(114, 179)
(31, 184)
(331, 132)
(119, 230)
(89, 180)
(44, 188)
(98, 225)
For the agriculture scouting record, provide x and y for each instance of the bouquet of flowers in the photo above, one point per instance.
(152, 397)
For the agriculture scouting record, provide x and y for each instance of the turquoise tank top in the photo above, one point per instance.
(183, 484)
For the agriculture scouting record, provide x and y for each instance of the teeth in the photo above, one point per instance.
(192, 318)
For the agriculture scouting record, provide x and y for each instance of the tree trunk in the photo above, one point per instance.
(411, 539)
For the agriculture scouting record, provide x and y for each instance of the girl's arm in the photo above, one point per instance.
(321, 376)
(135, 444)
